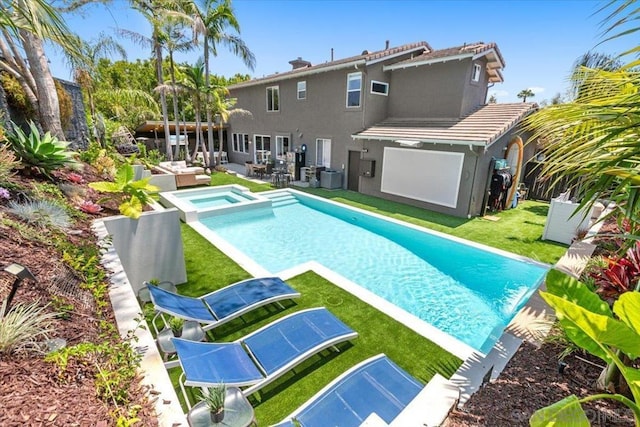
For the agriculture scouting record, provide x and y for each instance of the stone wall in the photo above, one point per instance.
(77, 132)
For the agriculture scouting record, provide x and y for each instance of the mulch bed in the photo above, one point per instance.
(32, 393)
(532, 381)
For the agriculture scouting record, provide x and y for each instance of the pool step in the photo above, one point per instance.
(282, 199)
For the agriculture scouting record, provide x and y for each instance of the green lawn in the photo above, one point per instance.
(518, 230)
(209, 269)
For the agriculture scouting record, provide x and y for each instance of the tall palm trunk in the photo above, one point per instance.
(48, 106)
(176, 115)
(163, 99)
(207, 83)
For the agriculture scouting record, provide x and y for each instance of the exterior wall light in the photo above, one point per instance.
(20, 273)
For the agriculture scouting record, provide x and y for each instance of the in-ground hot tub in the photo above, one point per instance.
(203, 202)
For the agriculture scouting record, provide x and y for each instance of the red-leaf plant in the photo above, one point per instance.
(620, 275)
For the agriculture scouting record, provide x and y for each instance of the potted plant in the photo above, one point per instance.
(214, 398)
(176, 323)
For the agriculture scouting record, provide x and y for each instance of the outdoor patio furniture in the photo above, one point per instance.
(238, 412)
(191, 330)
(377, 385)
(262, 356)
(223, 305)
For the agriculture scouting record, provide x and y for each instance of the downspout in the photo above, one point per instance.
(473, 181)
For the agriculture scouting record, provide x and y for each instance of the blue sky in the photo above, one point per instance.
(540, 40)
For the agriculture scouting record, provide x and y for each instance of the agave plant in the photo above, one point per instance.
(23, 327)
(43, 153)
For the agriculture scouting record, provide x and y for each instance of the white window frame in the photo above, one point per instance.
(301, 89)
(259, 146)
(281, 150)
(275, 101)
(350, 77)
(476, 73)
(384, 84)
(323, 152)
(240, 142)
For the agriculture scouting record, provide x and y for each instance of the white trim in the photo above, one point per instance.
(476, 72)
(385, 84)
(477, 143)
(404, 64)
(280, 144)
(349, 78)
(277, 91)
(486, 53)
(298, 90)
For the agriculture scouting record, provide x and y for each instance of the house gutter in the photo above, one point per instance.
(470, 143)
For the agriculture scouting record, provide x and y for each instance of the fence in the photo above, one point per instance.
(540, 186)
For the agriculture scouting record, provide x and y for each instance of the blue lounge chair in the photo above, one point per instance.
(223, 305)
(375, 385)
(262, 356)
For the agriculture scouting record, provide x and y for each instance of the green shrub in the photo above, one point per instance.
(43, 213)
(43, 153)
(24, 327)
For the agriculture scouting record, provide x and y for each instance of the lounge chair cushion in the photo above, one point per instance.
(232, 298)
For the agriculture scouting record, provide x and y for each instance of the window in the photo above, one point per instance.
(323, 152)
(263, 148)
(273, 98)
(477, 71)
(240, 142)
(354, 85)
(302, 90)
(379, 88)
(282, 146)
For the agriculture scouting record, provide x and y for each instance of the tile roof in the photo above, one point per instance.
(365, 56)
(481, 128)
(495, 59)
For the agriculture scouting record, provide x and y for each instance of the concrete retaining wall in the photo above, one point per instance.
(149, 247)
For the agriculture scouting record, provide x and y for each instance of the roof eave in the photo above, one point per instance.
(475, 143)
(409, 64)
(397, 54)
(289, 75)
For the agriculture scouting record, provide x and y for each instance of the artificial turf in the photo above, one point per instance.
(209, 269)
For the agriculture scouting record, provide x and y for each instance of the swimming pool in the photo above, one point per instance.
(465, 290)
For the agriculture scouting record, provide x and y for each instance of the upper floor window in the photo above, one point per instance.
(273, 98)
(477, 71)
(302, 90)
(379, 88)
(354, 87)
(240, 142)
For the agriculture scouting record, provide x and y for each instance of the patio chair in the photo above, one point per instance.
(377, 385)
(223, 305)
(262, 356)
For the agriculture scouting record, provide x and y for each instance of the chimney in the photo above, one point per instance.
(331, 54)
(299, 63)
(386, 45)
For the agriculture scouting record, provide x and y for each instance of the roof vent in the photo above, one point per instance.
(365, 52)
(299, 63)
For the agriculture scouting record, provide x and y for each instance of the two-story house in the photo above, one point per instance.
(407, 123)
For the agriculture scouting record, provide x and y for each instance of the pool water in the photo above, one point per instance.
(218, 200)
(467, 292)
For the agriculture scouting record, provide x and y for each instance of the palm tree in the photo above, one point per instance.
(210, 20)
(593, 140)
(222, 106)
(85, 69)
(525, 93)
(156, 12)
(195, 85)
(27, 23)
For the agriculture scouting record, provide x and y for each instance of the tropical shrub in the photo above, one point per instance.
(24, 327)
(125, 184)
(43, 153)
(619, 275)
(609, 334)
(42, 213)
(105, 165)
